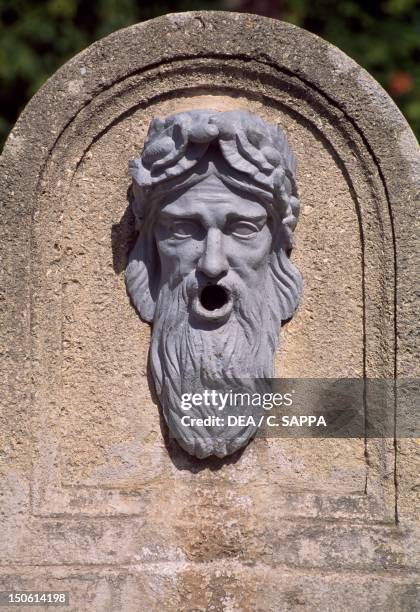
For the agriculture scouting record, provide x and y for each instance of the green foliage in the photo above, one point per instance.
(383, 36)
(38, 36)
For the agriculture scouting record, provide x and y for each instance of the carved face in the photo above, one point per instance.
(216, 204)
(217, 234)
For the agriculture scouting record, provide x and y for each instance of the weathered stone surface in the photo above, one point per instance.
(95, 498)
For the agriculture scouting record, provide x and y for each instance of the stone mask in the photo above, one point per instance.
(216, 204)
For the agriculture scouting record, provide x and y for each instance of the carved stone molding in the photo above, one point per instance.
(93, 473)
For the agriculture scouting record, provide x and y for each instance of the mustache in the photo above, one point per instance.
(211, 301)
(195, 282)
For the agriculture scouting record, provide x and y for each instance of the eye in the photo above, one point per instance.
(184, 229)
(243, 229)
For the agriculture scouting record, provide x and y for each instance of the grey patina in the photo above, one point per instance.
(89, 495)
(216, 204)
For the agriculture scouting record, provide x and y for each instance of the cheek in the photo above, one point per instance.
(246, 256)
(178, 258)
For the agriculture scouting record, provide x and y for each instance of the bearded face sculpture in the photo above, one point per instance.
(216, 204)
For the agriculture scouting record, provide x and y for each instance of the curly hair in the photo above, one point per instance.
(258, 155)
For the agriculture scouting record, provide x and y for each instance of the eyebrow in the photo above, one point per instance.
(232, 216)
(175, 215)
(251, 217)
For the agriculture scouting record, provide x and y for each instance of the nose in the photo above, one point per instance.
(213, 260)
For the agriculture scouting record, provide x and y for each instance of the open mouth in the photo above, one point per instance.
(213, 302)
(213, 297)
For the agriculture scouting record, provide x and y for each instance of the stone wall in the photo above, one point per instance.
(96, 499)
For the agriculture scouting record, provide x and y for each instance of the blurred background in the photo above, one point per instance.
(38, 36)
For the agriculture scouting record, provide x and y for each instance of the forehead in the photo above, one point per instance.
(212, 196)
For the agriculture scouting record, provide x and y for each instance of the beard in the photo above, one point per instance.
(189, 355)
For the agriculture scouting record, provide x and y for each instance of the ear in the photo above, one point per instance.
(142, 276)
(287, 286)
